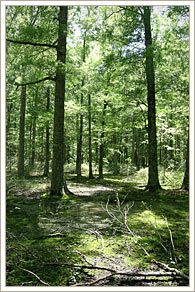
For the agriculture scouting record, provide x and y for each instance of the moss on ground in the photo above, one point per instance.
(126, 228)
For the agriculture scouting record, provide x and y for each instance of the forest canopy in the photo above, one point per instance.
(104, 73)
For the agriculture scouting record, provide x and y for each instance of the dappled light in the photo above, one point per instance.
(112, 229)
(97, 145)
(149, 217)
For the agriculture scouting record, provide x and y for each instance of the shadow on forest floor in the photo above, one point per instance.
(44, 233)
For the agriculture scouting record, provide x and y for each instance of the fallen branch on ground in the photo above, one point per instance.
(30, 272)
(167, 268)
(114, 272)
(170, 272)
(118, 272)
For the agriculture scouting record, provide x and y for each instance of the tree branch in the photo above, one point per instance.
(36, 81)
(111, 14)
(30, 272)
(158, 274)
(167, 268)
(32, 43)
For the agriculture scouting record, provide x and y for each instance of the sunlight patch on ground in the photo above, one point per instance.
(81, 190)
(148, 217)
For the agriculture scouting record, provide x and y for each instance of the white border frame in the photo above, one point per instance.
(3, 139)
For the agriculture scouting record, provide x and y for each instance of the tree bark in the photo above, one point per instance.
(89, 141)
(171, 138)
(8, 135)
(22, 132)
(57, 179)
(34, 119)
(80, 127)
(80, 139)
(185, 184)
(153, 180)
(101, 147)
(47, 153)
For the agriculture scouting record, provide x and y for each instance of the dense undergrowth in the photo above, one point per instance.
(121, 227)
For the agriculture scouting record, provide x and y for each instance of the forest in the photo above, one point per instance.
(97, 145)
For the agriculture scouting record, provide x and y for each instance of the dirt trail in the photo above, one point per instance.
(83, 190)
(79, 189)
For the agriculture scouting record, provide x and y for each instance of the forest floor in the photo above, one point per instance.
(110, 225)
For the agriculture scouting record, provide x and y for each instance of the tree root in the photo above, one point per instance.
(67, 191)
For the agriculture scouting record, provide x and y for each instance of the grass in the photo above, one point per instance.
(155, 227)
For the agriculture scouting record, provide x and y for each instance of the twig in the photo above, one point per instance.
(99, 280)
(57, 234)
(84, 257)
(124, 214)
(98, 234)
(35, 276)
(111, 14)
(134, 236)
(171, 238)
(167, 268)
(120, 272)
(155, 228)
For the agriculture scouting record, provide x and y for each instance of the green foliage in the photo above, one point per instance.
(111, 69)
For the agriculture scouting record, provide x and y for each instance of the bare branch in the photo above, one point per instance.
(167, 268)
(35, 276)
(114, 12)
(97, 280)
(35, 81)
(19, 42)
(141, 11)
(171, 273)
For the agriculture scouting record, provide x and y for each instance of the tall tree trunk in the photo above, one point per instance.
(30, 143)
(80, 139)
(160, 147)
(153, 180)
(47, 153)
(42, 146)
(101, 147)
(116, 156)
(57, 179)
(22, 132)
(80, 127)
(89, 141)
(67, 149)
(171, 139)
(34, 120)
(185, 184)
(8, 136)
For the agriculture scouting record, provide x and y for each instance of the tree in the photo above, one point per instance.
(80, 119)
(185, 184)
(34, 125)
(153, 180)
(89, 138)
(22, 132)
(102, 47)
(57, 179)
(102, 142)
(47, 153)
